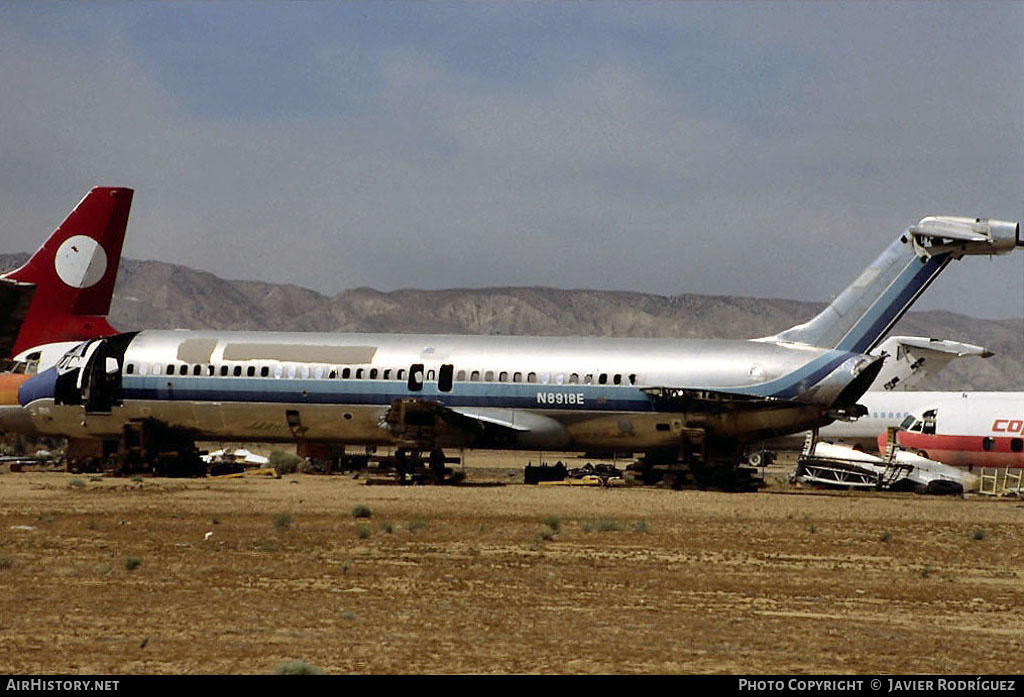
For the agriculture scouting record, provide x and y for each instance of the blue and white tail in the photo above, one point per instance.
(863, 314)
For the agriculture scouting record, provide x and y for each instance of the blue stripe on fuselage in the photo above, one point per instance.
(383, 392)
(801, 379)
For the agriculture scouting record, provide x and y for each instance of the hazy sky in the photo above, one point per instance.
(755, 149)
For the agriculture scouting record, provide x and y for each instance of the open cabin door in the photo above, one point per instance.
(96, 383)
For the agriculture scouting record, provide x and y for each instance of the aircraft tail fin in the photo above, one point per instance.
(859, 318)
(63, 292)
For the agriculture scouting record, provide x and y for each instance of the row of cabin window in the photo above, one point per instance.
(386, 374)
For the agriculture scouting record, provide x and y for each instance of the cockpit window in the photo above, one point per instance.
(929, 422)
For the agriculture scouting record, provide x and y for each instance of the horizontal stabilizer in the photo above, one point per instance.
(912, 359)
(995, 233)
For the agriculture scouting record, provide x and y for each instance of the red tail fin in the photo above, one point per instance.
(73, 273)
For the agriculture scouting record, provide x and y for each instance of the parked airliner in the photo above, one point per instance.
(975, 429)
(695, 402)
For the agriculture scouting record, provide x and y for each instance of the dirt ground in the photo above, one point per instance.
(102, 575)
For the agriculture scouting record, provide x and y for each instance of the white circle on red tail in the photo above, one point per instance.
(80, 261)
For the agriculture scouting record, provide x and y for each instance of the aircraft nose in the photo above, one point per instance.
(39, 386)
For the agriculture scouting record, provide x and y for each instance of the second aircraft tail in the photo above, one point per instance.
(63, 292)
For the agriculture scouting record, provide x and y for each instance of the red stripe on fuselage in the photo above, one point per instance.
(965, 451)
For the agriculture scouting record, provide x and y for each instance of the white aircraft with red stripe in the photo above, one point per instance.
(972, 429)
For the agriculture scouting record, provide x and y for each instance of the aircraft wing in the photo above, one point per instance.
(682, 399)
(492, 419)
(718, 402)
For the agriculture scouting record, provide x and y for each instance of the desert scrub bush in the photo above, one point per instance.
(885, 536)
(6, 563)
(132, 563)
(553, 522)
(364, 532)
(545, 535)
(602, 525)
(282, 521)
(284, 463)
(979, 534)
(387, 527)
(77, 483)
(641, 526)
(297, 668)
(417, 524)
(361, 511)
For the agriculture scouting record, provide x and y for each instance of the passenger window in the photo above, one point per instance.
(318, 372)
(170, 370)
(574, 378)
(531, 377)
(430, 375)
(250, 371)
(632, 378)
(346, 373)
(238, 371)
(1017, 445)
(603, 379)
(387, 374)
(373, 373)
(265, 371)
(416, 377)
(359, 374)
(129, 369)
(489, 376)
(988, 444)
(503, 376)
(589, 379)
(211, 370)
(461, 376)
(223, 370)
(474, 376)
(517, 377)
(401, 374)
(183, 370)
(545, 378)
(559, 378)
(617, 379)
(197, 369)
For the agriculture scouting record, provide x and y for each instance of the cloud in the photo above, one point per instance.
(767, 150)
